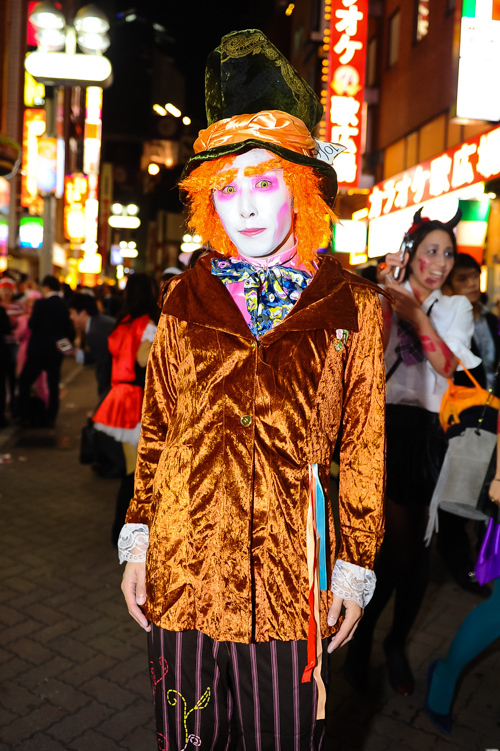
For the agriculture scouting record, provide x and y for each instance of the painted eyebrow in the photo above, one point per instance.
(263, 168)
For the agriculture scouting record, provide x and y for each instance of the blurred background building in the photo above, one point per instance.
(408, 88)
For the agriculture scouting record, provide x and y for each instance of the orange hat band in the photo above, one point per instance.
(273, 126)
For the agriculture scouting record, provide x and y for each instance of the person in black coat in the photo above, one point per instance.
(95, 328)
(50, 324)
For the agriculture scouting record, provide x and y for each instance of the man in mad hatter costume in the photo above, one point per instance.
(266, 354)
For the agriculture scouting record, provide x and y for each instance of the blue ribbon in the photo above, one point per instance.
(320, 529)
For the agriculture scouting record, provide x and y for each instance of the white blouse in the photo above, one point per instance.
(419, 385)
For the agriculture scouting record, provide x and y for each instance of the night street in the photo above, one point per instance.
(73, 664)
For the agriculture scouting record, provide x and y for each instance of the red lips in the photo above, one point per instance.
(251, 232)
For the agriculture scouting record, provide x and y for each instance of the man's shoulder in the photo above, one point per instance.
(53, 302)
(102, 321)
(361, 285)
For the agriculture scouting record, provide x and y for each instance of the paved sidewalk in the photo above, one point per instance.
(73, 665)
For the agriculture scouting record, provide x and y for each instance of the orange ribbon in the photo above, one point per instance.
(273, 126)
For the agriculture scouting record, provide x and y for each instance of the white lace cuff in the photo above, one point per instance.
(133, 543)
(351, 582)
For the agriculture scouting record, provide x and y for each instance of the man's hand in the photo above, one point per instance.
(352, 617)
(134, 591)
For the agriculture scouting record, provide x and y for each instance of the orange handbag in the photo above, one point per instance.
(457, 399)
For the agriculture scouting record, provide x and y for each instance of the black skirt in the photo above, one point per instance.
(416, 445)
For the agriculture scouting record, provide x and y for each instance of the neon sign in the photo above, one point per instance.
(479, 59)
(33, 127)
(346, 40)
(473, 161)
(76, 190)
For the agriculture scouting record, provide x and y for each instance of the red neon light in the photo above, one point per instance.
(346, 83)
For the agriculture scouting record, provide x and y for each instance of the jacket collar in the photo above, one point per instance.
(199, 297)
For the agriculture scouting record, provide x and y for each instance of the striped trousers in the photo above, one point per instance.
(224, 696)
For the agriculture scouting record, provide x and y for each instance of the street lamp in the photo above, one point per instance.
(124, 217)
(51, 66)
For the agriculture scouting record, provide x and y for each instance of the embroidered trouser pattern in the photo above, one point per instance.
(212, 694)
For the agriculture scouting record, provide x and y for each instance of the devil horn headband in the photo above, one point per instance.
(418, 220)
(417, 216)
(453, 222)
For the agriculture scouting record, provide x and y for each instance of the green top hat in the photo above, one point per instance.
(247, 74)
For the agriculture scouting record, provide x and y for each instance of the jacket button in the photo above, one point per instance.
(246, 420)
(253, 345)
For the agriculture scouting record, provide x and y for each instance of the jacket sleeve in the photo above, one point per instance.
(36, 317)
(362, 450)
(160, 396)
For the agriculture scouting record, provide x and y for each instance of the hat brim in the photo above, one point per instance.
(326, 173)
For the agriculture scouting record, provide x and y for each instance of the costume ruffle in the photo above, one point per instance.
(120, 409)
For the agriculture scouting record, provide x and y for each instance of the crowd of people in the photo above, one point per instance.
(222, 416)
(111, 331)
(435, 322)
(39, 325)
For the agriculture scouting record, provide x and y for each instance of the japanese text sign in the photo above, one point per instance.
(473, 161)
(346, 82)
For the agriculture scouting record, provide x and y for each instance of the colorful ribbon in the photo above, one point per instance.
(314, 644)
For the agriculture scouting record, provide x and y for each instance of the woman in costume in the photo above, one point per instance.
(479, 629)
(236, 567)
(23, 333)
(426, 333)
(119, 414)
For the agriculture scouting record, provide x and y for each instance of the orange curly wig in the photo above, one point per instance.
(312, 221)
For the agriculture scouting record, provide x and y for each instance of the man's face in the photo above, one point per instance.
(466, 282)
(79, 319)
(256, 209)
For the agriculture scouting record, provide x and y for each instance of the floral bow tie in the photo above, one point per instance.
(270, 292)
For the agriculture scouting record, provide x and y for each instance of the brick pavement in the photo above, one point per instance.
(73, 665)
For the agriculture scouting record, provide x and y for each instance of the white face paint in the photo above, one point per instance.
(256, 211)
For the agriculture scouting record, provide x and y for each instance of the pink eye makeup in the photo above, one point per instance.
(227, 192)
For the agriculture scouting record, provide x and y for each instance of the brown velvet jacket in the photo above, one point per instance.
(229, 426)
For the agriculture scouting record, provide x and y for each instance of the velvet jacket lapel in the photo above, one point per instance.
(201, 298)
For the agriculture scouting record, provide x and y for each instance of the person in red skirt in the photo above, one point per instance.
(119, 414)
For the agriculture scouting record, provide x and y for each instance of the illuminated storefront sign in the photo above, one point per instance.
(33, 127)
(91, 160)
(75, 196)
(34, 92)
(59, 257)
(4, 211)
(90, 264)
(31, 232)
(478, 98)
(346, 39)
(60, 69)
(46, 170)
(349, 237)
(473, 161)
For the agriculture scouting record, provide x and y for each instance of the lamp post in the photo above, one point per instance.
(124, 217)
(53, 67)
